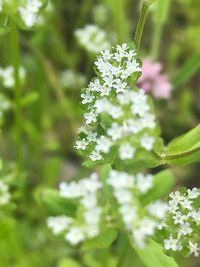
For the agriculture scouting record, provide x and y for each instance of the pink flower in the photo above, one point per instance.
(152, 80)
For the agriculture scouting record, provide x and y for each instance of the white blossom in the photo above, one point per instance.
(172, 244)
(126, 151)
(158, 209)
(4, 193)
(92, 38)
(95, 155)
(75, 235)
(103, 144)
(144, 182)
(29, 12)
(58, 224)
(147, 142)
(194, 249)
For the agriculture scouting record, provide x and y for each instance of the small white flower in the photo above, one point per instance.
(115, 132)
(194, 249)
(75, 235)
(158, 209)
(92, 216)
(119, 180)
(144, 182)
(147, 226)
(186, 203)
(92, 38)
(123, 196)
(185, 229)
(58, 224)
(91, 136)
(81, 144)
(119, 85)
(195, 215)
(179, 218)
(172, 244)
(29, 12)
(103, 144)
(89, 201)
(87, 97)
(126, 151)
(95, 155)
(193, 193)
(176, 197)
(128, 213)
(147, 142)
(90, 116)
(4, 193)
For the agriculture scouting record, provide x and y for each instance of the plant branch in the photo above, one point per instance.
(141, 22)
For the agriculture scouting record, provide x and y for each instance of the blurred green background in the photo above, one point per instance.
(51, 111)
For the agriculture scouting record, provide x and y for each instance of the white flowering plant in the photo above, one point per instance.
(121, 134)
(25, 12)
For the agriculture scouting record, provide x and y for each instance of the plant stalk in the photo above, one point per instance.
(141, 23)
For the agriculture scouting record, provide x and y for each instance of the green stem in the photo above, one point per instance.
(15, 53)
(141, 23)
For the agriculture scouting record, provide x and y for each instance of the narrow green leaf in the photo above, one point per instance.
(184, 149)
(153, 256)
(185, 142)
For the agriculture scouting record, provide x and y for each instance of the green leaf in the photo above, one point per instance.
(68, 263)
(184, 149)
(191, 66)
(153, 256)
(163, 184)
(104, 240)
(55, 204)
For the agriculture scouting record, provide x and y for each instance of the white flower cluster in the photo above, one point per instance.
(185, 214)
(123, 113)
(126, 189)
(7, 76)
(4, 193)
(88, 226)
(29, 12)
(92, 38)
(71, 79)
